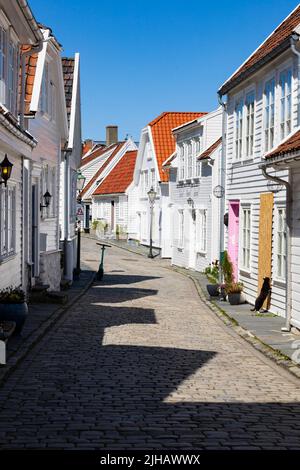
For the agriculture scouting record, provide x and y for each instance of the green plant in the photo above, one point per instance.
(212, 272)
(95, 224)
(12, 296)
(234, 288)
(227, 269)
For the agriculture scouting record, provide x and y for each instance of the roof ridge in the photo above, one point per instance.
(164, 113)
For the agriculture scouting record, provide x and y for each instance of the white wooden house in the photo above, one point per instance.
(110, 198)
(96, 165)
(70, 163)
(262, 109)
(157, 143)
(193, 174)
(20, 37)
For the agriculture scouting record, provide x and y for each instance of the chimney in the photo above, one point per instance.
(111, 135)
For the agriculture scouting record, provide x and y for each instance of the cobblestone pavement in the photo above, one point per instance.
(140, 363)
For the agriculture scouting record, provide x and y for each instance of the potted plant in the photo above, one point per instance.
(212, 274)
(13, 307)
(234, 292)
(118, 231)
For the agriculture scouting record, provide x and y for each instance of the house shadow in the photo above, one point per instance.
(113, 279)
(132, 396)
(120, 294)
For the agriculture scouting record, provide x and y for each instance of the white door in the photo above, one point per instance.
(192, 241)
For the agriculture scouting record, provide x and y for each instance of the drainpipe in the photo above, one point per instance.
(222, 179)
(288, 290)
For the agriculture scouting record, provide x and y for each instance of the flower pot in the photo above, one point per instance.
(14, 312)
(236, 298)
(213, 290)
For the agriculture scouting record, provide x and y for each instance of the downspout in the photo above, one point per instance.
(222, 180)
(288, 290)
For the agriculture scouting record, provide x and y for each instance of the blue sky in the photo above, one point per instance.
(142, 57)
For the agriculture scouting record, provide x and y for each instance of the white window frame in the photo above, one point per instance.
(189, 169)
(269, 103)
(201, 231)
(280, 251)
(249, 123)
(245, 238)
(7, 221)
(9, 65)
(285, 90)
(239, 120)
(181, 162)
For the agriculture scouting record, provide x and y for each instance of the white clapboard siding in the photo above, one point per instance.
(244, 179)
(295, 248)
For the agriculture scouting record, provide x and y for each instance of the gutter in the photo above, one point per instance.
(23, 4)
(222, 179)
(288, 283)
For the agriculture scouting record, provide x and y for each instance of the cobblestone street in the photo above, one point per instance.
(141, 363)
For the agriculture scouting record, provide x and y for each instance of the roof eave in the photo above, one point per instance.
(232, 83)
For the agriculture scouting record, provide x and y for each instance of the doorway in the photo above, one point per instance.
(112, 216)
(233, 235)
(34, 232)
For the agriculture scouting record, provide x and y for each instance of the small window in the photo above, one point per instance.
(269, 114)
(246, 238)
(249, 124)
(238, 129)
(189, 160)
(3, 47)
(7, 222)
(181, 162)
(281, 243)
(285, 82)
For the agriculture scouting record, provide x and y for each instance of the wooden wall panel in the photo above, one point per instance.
(265, 241)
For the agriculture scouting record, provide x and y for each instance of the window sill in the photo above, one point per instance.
(201, 253)
(279, 282)
(245, 272)
(242, 162)
(8, 258)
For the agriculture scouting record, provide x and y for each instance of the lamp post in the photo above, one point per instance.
(79, 186)
(5, 170)
(151, 196)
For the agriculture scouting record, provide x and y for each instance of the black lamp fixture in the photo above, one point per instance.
(47, 198)
(80, 181)
(5, 170)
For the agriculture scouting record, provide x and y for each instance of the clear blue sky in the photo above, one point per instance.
(142, 57)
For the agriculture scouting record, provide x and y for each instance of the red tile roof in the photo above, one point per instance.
(68, 65)
(292, 144)
(163, 139)
(30, 66)
(276, 43)
(120, 177)
(207, 153)
(98, 173)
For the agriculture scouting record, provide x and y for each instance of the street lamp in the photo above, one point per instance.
(47, 198)
(151, 196)
(5, 170)
(79, 186)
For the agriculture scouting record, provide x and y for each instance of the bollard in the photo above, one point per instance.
(100, 272)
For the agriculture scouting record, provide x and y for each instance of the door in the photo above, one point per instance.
(192, 240)
(233, 235)
(265, 241)
(112, 216)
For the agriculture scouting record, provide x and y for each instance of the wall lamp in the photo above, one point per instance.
(47, 198)
(5, 170)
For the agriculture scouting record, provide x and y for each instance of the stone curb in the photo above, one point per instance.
(257, 343)
(35, 337)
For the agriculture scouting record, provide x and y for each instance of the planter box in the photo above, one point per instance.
(213, 290)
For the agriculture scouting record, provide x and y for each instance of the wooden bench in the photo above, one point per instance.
(6, 330)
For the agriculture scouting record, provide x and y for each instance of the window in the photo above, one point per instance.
(198, 168)
(285, 82)
(249, 123)
(281, 243)
(7, 222)
(246, 238)
(269, 115)
(181, 162)
(238, 129)
(146, 181)
(12, 77)
(181, 229)
(153, 181)
(189, 160)
(2, 65)
(201, 232)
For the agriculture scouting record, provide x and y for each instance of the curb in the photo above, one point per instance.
(25, 348)
(275, 355)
